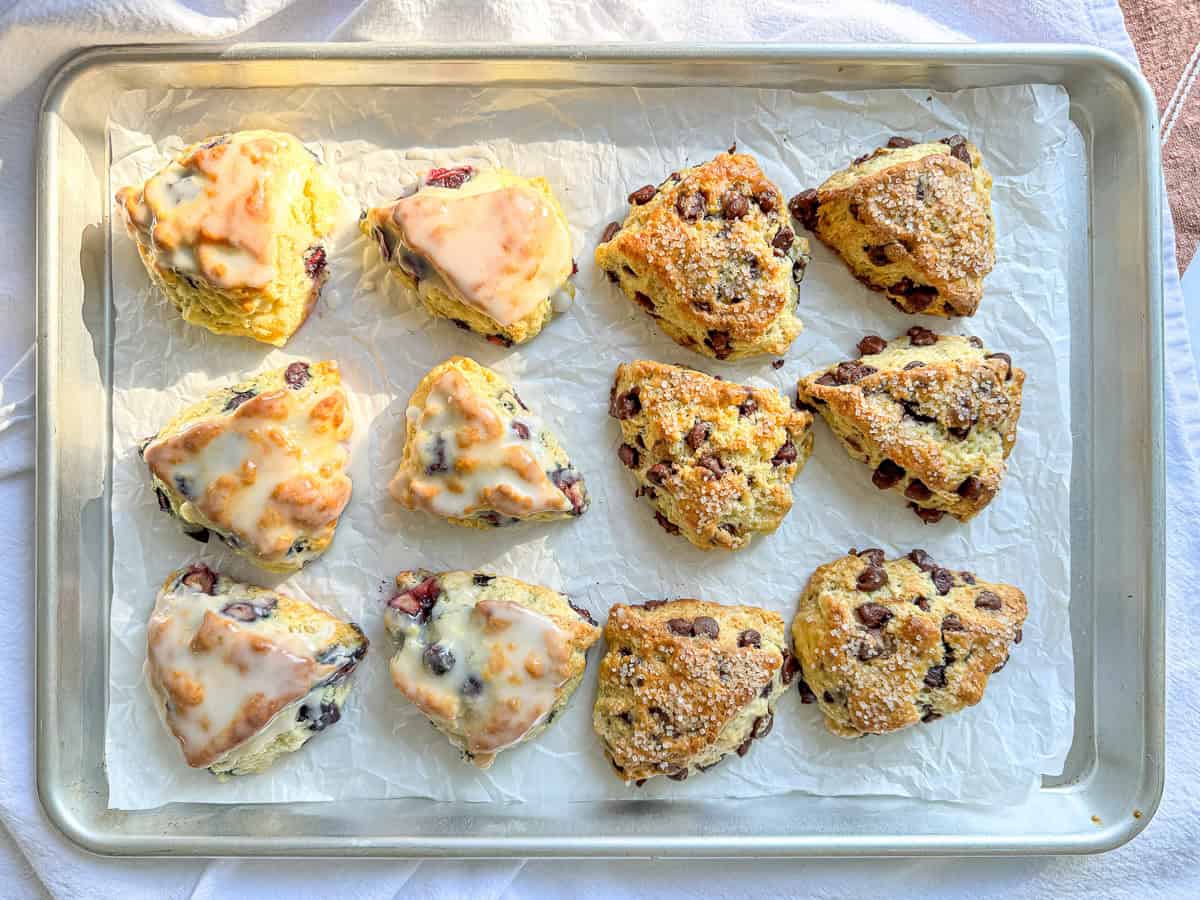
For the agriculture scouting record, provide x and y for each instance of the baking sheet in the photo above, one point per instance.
(594, 145)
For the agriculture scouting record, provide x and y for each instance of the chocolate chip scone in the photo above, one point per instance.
(233, 232)
(485, 248)
(242, 675)
(685, 683)
(913, 221)
(491, 661)
(716, 460)
(884, 645)
(709, 254)
(477, 456)
(934, 416)
(262, 465)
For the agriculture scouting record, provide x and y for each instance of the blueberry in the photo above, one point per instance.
(296, 375)
(237, 399)
(438, 659)
(472, 687)
(325, 715)
(183, 484)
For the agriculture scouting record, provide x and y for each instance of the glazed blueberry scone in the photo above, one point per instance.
(477, 456)
(233, 232)
(885, 644)
(685, 683)
(934, 416)
(913, 221)
(709, 254)
(262, 465)
(491, 661)
(716, 460)
(485, 248)
(241, 675)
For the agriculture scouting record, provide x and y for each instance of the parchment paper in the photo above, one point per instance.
(595, 145)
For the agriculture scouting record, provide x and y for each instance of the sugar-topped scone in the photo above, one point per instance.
(485, 248)
(233, 232)
(262, 464)
(715, 459)
(885, 644)
(934, 416)
(709, 254)
(685, 683)
(476, 455)
(242, 675)
(490, 660)
(913, 221)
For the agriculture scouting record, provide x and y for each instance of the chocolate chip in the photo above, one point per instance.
(713, 464)
(783, 239)
(1003, 663)
(639, 782)
(873, 615)
(682, 627)
(719, 343)
(922, 560)
(943, 579)
(626, 405)
(610, 232)
(915, 364)
(988, 600)
(971, 489)
(898, 143)
(582, 613)
(878, 255)
(691, 205)
(200, 577)
(628, 455)
(917, 490)
(928, 516)
(668, 526)
(1017, 637)
(521, 430)
(799, 267)
(747, 407)
(749, 638)
(921, 337)
(643, 195)
(828, 380)
(438, 659)
(744, 747)
(768, 202)
(806, 693)
(611, 276)
(654, 604)
(918, 296)
(873, 555)
(871, 578)
(871, 344)
(678, 775)
(967, 577)
(777, 363)
(888, 475)
(706, 626)
(936, 677)
(699, 434)
(1007, 359)
(762, 726)
(785, 454)
(921, 602)
(826, 697)
(958, 147)
(790, 667)
(644, 301)
(864, 157)
(658, 473)
(734, 204)
(975, 342)
(449, 178)
(804, 207)
(952, 623)
(930, 716)
(296, 375)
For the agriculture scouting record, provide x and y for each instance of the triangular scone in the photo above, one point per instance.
(490, 660)
(485, 248)
(710, 255)
(934, 416)
(715, 459)
(262, 465)
(911, 220)
(242, 675)
(884, 645)
(233, 232)
(685, 683)
(476, 455)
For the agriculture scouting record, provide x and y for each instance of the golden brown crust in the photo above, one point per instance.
(715, 459)
(711, 257)
(684, 683)
(934, 416)
(887, 644)
(913, 221)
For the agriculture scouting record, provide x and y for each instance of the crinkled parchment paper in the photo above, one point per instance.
(594, 145)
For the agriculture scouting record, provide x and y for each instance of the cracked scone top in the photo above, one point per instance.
(715, 459)
(709, 254)
(491, 661)
(685, 683)
(933, 416)
(262, 464)
(476, 455)
(485, 248)
(241, 675)
(883, 645)
(913, 221)
(232, 231)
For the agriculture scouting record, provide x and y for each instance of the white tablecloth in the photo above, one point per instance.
(35, 37)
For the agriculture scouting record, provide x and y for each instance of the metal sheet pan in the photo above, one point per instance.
(1113, 777)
